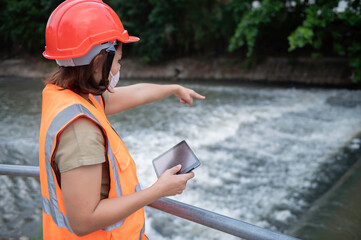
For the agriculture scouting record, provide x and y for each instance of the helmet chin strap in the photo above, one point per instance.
(108, 66)
(109, 61)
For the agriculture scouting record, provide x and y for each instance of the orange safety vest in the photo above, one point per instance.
(60, 108)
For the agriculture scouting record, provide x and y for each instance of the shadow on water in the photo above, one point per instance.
(336, 215)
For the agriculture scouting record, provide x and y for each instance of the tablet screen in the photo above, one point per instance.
(179, 154)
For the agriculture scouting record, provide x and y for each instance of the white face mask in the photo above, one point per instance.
(114, 79)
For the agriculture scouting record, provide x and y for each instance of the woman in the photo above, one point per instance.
(88, 179)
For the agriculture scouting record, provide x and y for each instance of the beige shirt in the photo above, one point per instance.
(82, 143)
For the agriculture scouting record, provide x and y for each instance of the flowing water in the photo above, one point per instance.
(266, 153)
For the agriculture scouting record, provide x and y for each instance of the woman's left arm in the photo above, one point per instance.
(123, 98)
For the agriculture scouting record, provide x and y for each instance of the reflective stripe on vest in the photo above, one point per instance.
(141, 231)
(98, 99)
(51, 206)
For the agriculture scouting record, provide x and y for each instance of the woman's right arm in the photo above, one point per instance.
(87, 213)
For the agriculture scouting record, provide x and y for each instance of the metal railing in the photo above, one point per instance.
(207, 218)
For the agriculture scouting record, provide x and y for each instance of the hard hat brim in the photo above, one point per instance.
(131, 39)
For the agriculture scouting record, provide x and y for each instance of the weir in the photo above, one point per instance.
(267, 153)
(201, 216)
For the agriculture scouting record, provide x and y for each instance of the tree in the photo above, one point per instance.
(22, 26)
(179, 28)
(321, 26)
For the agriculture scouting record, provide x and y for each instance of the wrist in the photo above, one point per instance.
(155, 191)
(176, 89)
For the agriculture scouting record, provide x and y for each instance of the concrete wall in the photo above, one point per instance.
(324, 72)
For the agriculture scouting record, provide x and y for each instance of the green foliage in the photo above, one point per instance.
(177, 28)
(23, 24)
(252, 21)
(317, 18)
(340, 29)
(300, 38)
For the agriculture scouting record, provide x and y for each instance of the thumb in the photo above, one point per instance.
(175, 169)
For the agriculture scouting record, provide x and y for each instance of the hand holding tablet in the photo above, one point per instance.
(179, 154)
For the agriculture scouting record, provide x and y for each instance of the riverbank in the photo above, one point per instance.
(325, 72)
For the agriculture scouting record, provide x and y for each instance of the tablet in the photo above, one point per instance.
(179, 154)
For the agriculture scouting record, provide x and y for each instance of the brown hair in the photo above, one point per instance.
(80, 79)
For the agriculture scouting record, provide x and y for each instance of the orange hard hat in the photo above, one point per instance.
(76, 26)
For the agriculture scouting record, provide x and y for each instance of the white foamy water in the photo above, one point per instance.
(265, 152)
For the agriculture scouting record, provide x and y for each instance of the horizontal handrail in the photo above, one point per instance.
(207, 218)
(19, 170)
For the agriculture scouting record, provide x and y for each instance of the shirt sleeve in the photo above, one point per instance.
(80, 144)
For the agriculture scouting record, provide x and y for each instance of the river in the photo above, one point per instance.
(267, 153)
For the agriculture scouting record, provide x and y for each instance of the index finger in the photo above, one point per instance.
(197, 95)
